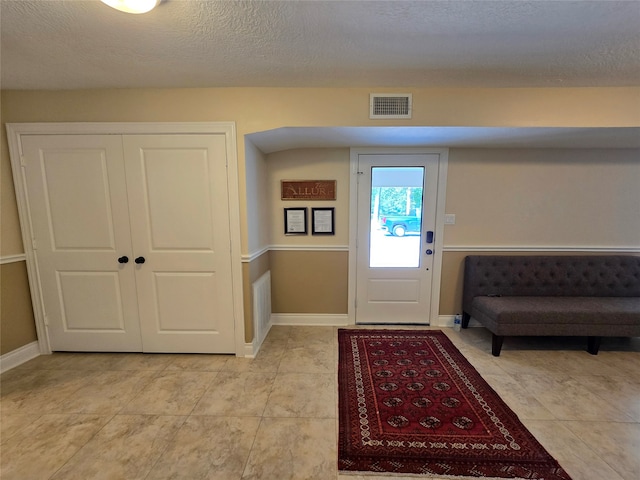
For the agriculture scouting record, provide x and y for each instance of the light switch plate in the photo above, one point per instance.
(450, 219)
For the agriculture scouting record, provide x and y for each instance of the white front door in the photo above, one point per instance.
(396, 231)
(132, 241)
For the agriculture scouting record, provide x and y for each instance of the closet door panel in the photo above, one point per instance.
(79, 213)
(178, 198)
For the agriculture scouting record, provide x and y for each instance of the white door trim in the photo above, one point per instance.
(16, 130)
(443, 164)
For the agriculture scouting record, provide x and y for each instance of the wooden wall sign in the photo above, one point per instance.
(308, 189)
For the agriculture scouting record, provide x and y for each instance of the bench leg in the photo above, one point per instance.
(496, 344)
(593, 345)
(465, 319)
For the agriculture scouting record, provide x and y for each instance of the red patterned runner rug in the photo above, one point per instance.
(409, 402)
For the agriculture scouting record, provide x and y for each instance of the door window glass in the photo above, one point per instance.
(396, 216)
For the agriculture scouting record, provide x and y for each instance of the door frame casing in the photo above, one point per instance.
(443, 163)
(16, 130)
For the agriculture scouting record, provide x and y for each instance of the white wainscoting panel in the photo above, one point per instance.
(261, 309)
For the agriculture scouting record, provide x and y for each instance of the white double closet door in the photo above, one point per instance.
(131, 240)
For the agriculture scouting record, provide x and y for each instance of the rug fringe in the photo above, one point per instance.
(430, 476)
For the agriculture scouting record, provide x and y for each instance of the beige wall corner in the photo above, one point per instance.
(17, 326)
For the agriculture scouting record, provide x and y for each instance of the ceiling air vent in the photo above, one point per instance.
(389, 105)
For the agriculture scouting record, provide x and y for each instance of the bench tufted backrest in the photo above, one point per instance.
(534, 275)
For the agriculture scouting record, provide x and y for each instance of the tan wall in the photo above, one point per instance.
(298, 282)
(544, 197)
(259, 109)
(309, 282)
(16, 314)
(530, 198)
(10, 237)
(309, 164)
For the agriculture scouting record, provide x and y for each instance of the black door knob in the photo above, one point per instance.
(429, 252)
(123, 259)
(139, 260)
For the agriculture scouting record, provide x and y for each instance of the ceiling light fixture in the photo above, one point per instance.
(133, 6)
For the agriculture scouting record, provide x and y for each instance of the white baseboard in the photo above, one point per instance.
(310, 319)
(19, 356)
(250, 350)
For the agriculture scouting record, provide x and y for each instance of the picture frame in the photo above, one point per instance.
(295, 221)
(323, 221)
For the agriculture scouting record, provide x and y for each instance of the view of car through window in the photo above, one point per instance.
(396, 217)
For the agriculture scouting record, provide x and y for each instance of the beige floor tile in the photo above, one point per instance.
(477, 339)
(315, 358)
(622, 393)
(126, 448)
(581, 363)
(618, 444)
(531, 362)
(93, 361)
(568, 399)
(211, 448)
(143, 361)
(118, 361)
(39, 450)
(302, 395)
(551, 384)
(107, 392)
(577, 458)
(40, 391)
(170, 393)
(272, 348)
(293, 449)
(267, 360)
(198, 363)
(237, 394)
(55, 361)
(517, 397)
(483, 363)
(12, 424)
(307, 336)
(625, 363)
(279, 333)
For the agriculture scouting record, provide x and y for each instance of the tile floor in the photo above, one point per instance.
(135, 416)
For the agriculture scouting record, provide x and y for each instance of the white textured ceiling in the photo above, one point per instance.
(53, 44)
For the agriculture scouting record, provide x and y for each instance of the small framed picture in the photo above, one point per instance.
(323, 221)
(295, 221)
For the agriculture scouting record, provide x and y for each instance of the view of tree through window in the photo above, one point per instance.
(396, 201)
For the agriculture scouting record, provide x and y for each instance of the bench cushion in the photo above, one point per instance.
(551, 276)
(589, 316)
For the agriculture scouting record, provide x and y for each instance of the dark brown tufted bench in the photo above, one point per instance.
(592, 296)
